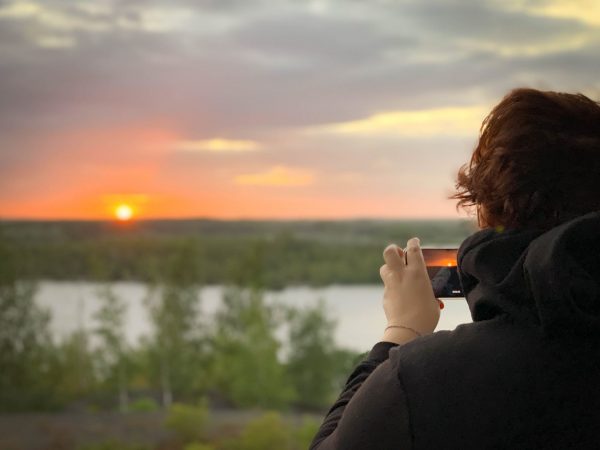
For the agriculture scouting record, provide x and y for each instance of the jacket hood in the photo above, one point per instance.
(549, 279)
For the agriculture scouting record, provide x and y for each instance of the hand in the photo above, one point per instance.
(408, 297)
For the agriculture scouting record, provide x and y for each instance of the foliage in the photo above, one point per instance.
(75, 368)
(271, 431)
(268, 432)
(113, 354)
(288, 252)
(314, 362)
(25, 344)
(187, 421)
(144, 404)
(228, 443)
(176, 349)
(246, 367)
(113, 445)
(236, 358)
(198, 446)
(305, 433)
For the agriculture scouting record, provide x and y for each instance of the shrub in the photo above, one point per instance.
(304, 434)
(144, 404)
(268, 432)
(229, 443)
(112, 445)
(187, 421)
(198, 446)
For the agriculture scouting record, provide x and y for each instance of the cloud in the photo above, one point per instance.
(320, 38)
(19, 9)
(52, 17)
(77, 22)
(218, 145)
(270, 65)
(503, 29)
(278, 176)
(55, 41)
(458, 121)
(584, 11)
(412, 78)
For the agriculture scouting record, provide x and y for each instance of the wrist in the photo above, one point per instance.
(398, 335)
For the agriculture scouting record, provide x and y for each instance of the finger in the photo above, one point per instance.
(394, 257)
(387, 274)
(441, 303)
(414, 255)
(383, 270)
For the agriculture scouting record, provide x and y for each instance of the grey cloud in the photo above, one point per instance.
(319, 38)
(478, 21)
(212, 85)
(282, 66)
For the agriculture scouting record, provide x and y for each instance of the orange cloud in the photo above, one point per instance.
(218, 145)
(278, 176)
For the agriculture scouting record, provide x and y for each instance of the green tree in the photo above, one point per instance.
(246, 367)
(75, 368)
(177, 345)
(113, 351)
(315, 364)
(25, 341)
(247, 269)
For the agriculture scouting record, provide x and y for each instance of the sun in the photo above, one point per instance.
(123, 212)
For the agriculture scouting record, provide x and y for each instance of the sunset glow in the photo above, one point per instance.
(440, 258)
(123, 212)
(279, 110)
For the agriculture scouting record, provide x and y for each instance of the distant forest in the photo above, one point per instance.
(189, 367)
(268, 254)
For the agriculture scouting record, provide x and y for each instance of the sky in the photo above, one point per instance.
(249, 109)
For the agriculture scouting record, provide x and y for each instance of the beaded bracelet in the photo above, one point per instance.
(402, 326)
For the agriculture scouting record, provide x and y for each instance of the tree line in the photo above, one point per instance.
(186, 355)
(234, 359)
(315, 253)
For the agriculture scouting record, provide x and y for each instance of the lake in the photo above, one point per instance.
(357, 309)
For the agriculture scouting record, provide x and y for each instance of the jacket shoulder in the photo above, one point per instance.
(497, 384)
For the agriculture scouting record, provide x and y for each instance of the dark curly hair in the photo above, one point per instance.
(537, 162)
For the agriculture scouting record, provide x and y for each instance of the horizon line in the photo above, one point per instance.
(236, 219)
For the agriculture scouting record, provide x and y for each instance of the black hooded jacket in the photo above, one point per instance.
(524, 375)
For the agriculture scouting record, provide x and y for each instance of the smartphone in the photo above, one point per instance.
(442, 271)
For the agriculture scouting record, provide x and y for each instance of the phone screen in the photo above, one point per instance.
(442, 271)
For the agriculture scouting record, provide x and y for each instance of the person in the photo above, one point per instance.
(524, 374)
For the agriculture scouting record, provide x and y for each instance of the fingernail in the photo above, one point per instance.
(441, 304)
(390, 248)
